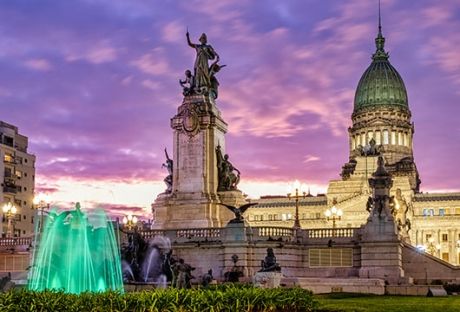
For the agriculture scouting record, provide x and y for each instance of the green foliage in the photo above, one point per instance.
(372, 303)
(214, 299)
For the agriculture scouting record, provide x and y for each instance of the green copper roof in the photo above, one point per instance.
(381, 83)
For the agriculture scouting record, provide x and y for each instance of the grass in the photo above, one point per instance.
(370, 303)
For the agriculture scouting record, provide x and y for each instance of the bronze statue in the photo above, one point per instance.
(269, 264)
(188, 83)
(238, 211)
(169, 178)
(228, 179)
(204, 52)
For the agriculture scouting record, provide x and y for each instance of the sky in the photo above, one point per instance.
(94, 83)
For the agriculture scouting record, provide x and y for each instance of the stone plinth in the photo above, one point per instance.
(193, 202)
(267, 279)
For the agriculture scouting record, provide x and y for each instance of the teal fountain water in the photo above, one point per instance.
(77, 252)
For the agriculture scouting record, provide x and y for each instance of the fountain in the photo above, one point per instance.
(77, 252)
(146, 261)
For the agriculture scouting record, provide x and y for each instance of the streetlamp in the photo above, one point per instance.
(335, 214)
(130, 221)
(303, 194)
(41, 201)
(10, 211)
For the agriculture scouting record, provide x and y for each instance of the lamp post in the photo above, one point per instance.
(298, 194)
(10, 211)
(130, 221)
(335, 214)
(41, 201)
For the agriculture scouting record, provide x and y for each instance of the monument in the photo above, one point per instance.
(200, 174)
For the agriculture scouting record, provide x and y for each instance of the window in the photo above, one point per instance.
(393, 137)
(289, 216)
(444, 238)
(442, 212)
(318, 215)
(400, 138)
(370, 135)
(385, 137)
(445, 256)
(428, 212)
(270, 217)
(8, 158)
(378, 141)
(283, 217)
(427, 237)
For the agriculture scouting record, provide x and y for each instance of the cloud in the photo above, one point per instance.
(38, 64)
(310, 158)
(153, 63)
(95, 53)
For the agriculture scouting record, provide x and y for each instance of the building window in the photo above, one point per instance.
(270, 217)
(378, 140)
(393, 137)
(318, 215)
(442, 212)
(445, 256)
(289, 216)
(370, 135)
(400, 138)
(428, 212)
(256, 218)
(385, 137)
(444, 237)
(427, 237)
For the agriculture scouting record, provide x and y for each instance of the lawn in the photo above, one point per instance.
(353, 302)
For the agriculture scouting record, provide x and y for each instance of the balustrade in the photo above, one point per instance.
(328, 233)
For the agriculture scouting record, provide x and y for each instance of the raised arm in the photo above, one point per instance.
(188, 40)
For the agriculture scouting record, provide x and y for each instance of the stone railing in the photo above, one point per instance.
(329, 232)
(15, 241)
(147, 234)
(274, 231)
(198, 233)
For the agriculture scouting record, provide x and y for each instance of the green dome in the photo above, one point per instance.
(381, 83)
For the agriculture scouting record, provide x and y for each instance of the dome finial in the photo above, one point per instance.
(380, 42)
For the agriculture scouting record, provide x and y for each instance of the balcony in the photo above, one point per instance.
(9, 186)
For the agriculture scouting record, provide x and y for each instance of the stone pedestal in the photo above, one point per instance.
(194, 201)
(267, 279)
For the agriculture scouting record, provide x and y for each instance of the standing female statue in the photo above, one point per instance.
(204, 52)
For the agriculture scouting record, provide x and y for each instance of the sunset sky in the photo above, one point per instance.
(94, 83)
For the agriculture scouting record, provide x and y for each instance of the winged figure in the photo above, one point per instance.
(239, 211)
